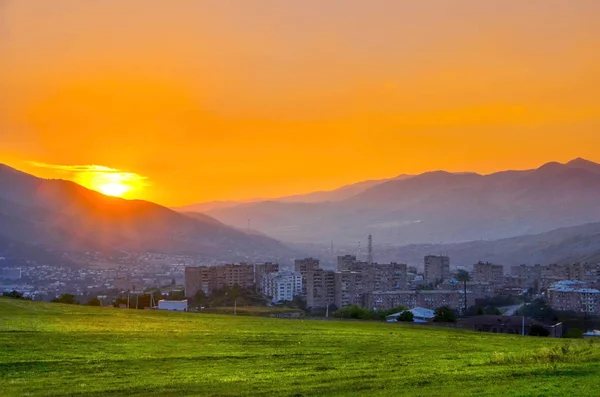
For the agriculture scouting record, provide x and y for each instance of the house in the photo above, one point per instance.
(515, 325)
(177, 306)
(420, 315)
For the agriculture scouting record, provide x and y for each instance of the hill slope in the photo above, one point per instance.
(571, 244)
(334, 195)
(55, 350)
(63, 216)
(438, 207)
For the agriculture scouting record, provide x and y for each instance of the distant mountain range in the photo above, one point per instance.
(434, 207)
(564, 245)
(61, 216)
(334, 195)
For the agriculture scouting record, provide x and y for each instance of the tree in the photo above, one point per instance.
(538, 330)
(444, 315)
(574, 333)
(94, 302)
(406, 316)
(14, 294)
(463, 275)
(65, 298)
(200, 298)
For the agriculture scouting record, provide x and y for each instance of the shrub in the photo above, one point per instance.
(406, 316)
(574, 333)
(444, 315)
(94, 302)
(65, 298)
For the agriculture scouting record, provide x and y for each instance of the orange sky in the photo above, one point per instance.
(210, 100)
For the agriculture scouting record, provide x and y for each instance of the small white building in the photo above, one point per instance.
(420, 315)
(176, 306)
(282, 286)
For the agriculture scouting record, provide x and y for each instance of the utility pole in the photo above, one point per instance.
(235, 307)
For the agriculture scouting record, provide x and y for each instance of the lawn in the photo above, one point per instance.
(55, 350)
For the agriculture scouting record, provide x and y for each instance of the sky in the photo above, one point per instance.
(200, 100)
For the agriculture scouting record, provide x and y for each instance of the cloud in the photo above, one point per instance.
(94, 176)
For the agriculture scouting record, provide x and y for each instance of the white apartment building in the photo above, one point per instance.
(282, 286)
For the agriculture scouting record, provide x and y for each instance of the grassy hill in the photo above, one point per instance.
(55, 350)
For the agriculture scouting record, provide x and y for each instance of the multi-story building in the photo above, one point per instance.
(320, 288)
(304, 266)
(234, 274)
(429, 299)
(209, 279)
(488, 273)
(198, 279)
(262, 269)
(528, 276)
(282, 286)
(377, 276)
(349, 288)
(575, 296)
(345, 262)
(437, 269)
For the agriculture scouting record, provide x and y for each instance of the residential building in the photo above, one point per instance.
(320, 288)
(429, 299)
(421, 315)
(261, 269)
(282, 286)
(349, 288)
(345, 262)
(437, 269)
(575, 296)
(304, 266)
(488, 273)
(209, 279)
(196, 279)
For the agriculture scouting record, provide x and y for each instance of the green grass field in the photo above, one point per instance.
(54, 350)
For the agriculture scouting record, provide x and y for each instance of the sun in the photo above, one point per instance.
(115, 189)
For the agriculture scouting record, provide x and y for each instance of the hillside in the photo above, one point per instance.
(333, 195)
(437, 207)
(571, 244)
(63, 216)
(57, 350)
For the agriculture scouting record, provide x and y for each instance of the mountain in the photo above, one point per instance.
(334, 195)
(437, 207)
(572, 244)
(63, 216)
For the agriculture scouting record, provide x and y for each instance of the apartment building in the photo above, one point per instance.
(209, 279)
(437, 269)
(349, 288)
(345, 262)
(198, 278)
(543, 276)
(320, 288)
(304, 266)
(575, 296)
(488, 273)
(262, 269)
(429, 299)
(282, 286)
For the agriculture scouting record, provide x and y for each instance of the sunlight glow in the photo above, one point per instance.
(106, 180)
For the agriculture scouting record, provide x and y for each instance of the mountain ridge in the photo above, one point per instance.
(438, 206)
(64, 216)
